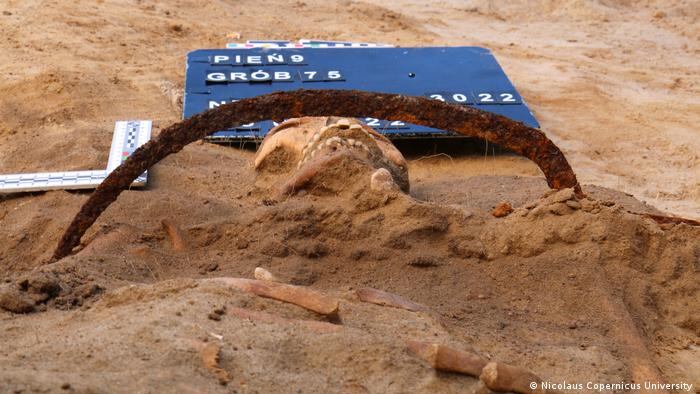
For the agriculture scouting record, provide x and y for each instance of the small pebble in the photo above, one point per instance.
(573, 204)
(503, 209)
(588, 205)
(382, 181)
(559, 209)
(563, 195)
(220, 311)
(263, 274)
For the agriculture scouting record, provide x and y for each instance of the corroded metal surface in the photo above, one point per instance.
(669, 219)
(514, 136)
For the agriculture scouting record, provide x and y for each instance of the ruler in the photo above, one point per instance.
(128, 135)
(304, 43)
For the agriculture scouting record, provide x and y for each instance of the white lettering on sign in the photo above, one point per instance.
(480, 98)
(236, 76)
(271, 75)
(320, 76)
(214, 104)
(485, 97)
(253, 60)
(507, 98)
(334, 74)
(385, 124)
(218, 103)
(257, 60)
(448, 97)
(275, 58)
(220, 59)
(216, 77)
(459, 97)
(372, 122)
(260, 75)
(282, 76)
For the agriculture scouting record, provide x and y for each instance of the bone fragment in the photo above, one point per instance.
(303, 177)
(382, 181)
(142, 251)
(297, 295)
(632, 343)
(263, 317)
(503, 377)
(444, 358)
(175, 234)
(384, 298)
(481, 388)
(261, 273)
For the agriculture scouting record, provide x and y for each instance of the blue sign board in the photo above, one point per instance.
(463, 75)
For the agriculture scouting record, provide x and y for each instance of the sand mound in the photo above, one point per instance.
(574, 290)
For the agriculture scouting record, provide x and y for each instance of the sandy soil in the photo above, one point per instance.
(576, 294)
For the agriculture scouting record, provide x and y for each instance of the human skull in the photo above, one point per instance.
(325, 154)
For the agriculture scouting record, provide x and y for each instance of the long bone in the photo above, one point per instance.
(512, 135)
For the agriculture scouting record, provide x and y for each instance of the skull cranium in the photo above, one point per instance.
(321, 154)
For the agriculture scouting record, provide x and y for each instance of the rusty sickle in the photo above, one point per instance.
(514, 136)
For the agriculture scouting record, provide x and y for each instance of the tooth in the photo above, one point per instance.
(369, 134)
(325, 130)
(343, 123)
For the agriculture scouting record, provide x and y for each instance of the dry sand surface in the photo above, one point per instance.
(573, 289)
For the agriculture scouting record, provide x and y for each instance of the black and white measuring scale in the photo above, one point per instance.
(128, 136)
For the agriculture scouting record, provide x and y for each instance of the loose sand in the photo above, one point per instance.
(581, 294)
